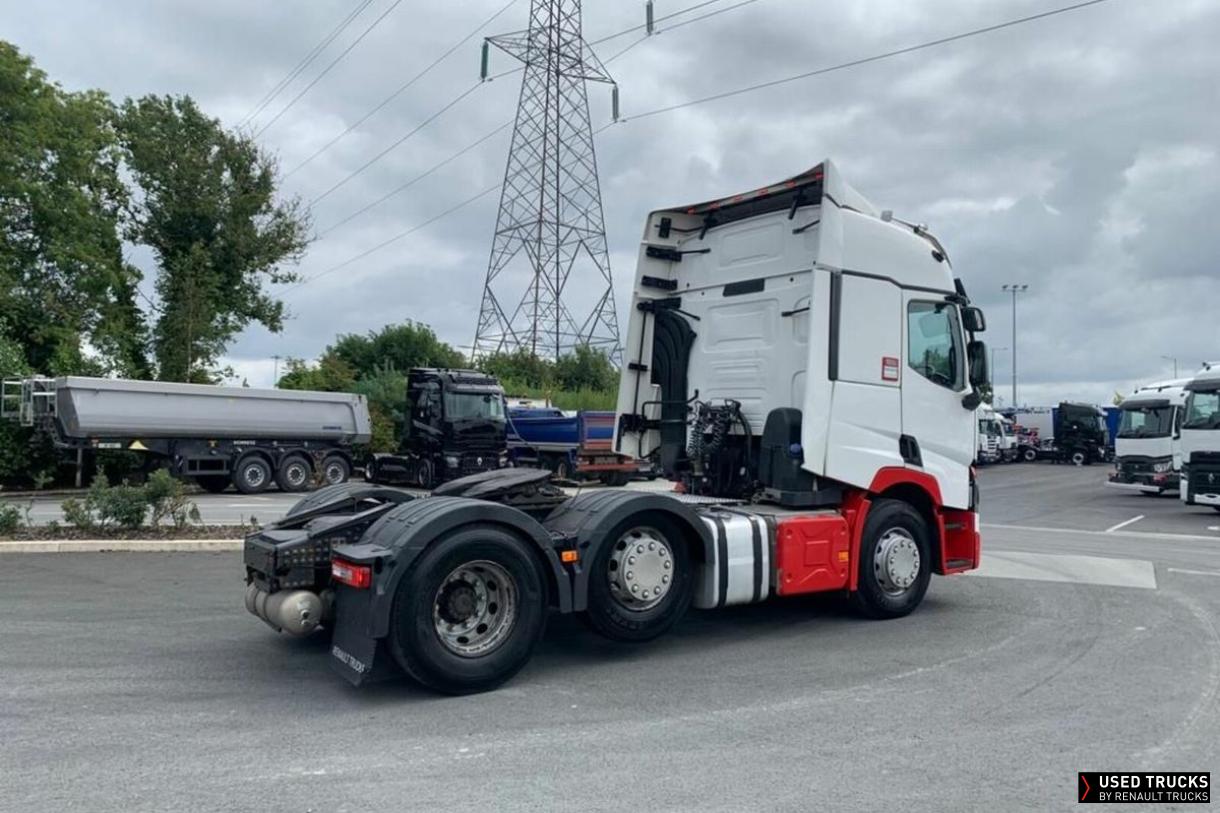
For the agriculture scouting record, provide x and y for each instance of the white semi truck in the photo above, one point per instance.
(1147, 448)
(804, 365)
(1201, 439)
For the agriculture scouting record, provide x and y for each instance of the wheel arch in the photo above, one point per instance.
(405, 532)
(919, 490)
(588, 519)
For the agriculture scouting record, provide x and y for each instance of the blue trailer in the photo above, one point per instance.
(574, 446)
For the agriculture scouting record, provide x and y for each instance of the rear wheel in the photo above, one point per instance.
(895, 561)
(424, 477)
(563, 469)
(335, 470)
(642, 580)
(252, 475)
(616, 479)
(469, 614)
(213, 483)
(1029, 455)
(295, 474)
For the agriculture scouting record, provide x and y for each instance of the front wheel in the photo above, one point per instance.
(469, 614)
(642, 580)
(1079, 458)
(895, 561)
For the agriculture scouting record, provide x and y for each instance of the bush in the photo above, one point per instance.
(11, 518)
(105, 506)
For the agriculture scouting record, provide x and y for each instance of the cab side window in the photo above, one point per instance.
(934, 343)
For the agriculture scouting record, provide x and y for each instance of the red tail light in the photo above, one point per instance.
(358, 576)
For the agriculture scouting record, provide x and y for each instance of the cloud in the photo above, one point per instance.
(1078, 154)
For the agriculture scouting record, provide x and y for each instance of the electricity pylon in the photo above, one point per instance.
(550, 221)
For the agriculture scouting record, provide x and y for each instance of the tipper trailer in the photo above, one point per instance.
(216, 436)
(801, 363)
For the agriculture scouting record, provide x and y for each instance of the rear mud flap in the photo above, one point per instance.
(359, 658)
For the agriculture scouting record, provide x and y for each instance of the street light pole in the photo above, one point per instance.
(1175, 364)
(1014, 289)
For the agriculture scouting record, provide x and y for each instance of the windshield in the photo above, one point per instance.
(1150, 422)
(465, 406)
(1203, 411)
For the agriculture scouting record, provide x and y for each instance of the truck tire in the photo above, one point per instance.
(252, 475)
(295, 474)
(424, 477)
(562, 469)
(622, 602)
(470, 612)
(1079, 457)
(616, 479)
(1029, 455)
(335, 470)
(895, 561)
(214, 483)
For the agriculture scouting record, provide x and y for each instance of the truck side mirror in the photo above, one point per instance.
(980, 365)
(973, 320)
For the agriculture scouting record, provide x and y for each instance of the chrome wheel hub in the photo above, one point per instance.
(475, 608)
(896, 561)
(255, 476)
(641, 569)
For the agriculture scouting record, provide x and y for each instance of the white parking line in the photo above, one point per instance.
(1074, 531)
(1122, 525)
(1194, 572)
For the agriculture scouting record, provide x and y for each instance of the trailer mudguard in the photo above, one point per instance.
(588, 519)
(398, 538)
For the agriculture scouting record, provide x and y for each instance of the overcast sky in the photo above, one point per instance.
(1076, 154)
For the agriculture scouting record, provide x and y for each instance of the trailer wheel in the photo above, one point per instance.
(895, 561)
(214, 483)
(470, 612)
(642, 580)
(294, 474)
(252, 475)
(335, 470)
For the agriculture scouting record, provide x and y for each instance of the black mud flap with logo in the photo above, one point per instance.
(359, 658)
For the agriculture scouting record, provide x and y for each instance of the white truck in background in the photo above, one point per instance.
(1200, 440)
(1147, 448)
(990, 447)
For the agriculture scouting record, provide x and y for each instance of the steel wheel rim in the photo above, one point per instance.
(256, 476)
(296, 474)
(475, 608)
(896, 561)
(334, 474)
(640, 569)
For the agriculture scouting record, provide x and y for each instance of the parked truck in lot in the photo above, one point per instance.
(804, 365)
(1201, 439)
(574, 446)
(1147, 448)
(1070, 432)
(216, 436)
(455, 424)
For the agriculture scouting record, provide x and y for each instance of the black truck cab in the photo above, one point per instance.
(454, 425)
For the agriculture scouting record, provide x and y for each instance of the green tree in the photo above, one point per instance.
(206, 206)
(63, 282)
(585, 369)
(397, 347)
(521, 368)
(331, 374)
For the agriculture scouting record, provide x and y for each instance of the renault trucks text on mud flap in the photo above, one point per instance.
(1201, 439)
(802, 364)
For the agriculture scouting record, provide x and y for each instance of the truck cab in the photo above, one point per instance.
(799, 342)
(1147, 448)
(1080, 433)
(1200, 440)
(454, 425)
(991, 436)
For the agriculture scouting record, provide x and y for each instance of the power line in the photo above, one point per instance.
(305, 62)
(656, 20)
(415, 180)
(328, 68)
(402, 88)
(857, 62)
(454, 102)
(394, 239)
(709, 14)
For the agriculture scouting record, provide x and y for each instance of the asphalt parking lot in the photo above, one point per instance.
(138, 682)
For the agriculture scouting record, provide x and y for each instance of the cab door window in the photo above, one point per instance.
(934, 343)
